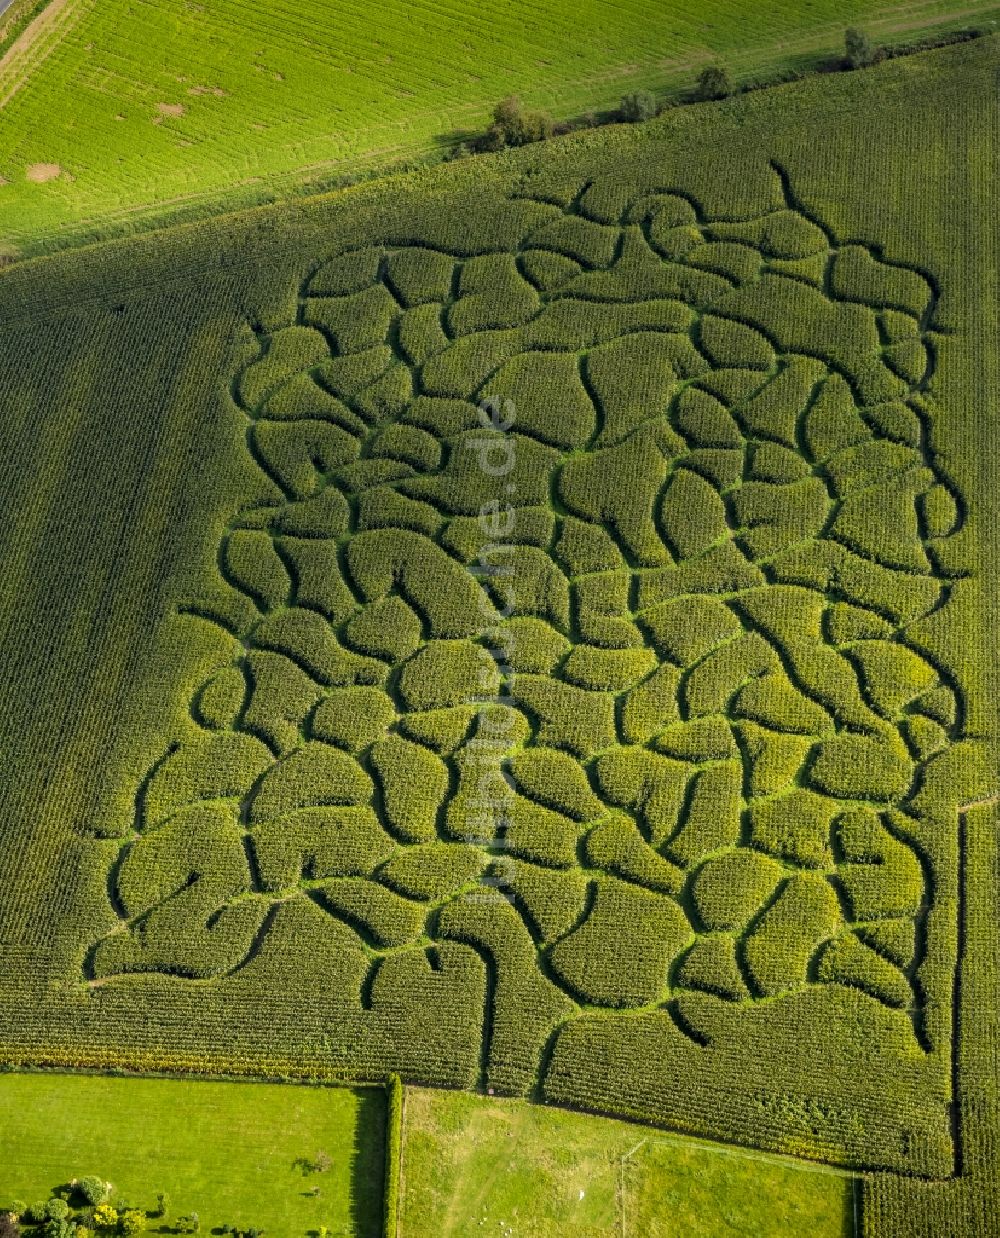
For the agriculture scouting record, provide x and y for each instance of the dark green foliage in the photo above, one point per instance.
(548, 394)
(513, 126)
(313, 775)
(418, 275)
(858, 48)
(637, 106)
(651, 705)
(684, 631)
(692, 515)
(714, 82)
(879, 874)
(608, 670)
(93, 1189)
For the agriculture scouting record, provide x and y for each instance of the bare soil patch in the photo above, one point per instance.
(39, 173)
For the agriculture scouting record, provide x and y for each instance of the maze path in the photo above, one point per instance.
(665, 737)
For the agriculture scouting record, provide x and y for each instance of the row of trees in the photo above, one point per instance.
(515, 125)
(83, 1208)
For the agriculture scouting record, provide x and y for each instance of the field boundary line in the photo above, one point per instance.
(402, 1164)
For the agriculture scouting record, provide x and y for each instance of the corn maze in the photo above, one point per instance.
(589, 628)
(528, 627)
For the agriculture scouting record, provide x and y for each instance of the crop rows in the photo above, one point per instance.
(639, 697)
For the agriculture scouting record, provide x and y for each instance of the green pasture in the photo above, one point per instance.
(227, 1151)
(499, 1166)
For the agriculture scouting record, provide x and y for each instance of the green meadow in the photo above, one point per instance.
(230, 1152)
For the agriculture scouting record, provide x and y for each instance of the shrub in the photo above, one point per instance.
(513, 126)
(858, 48)
(9, 1226)
(638, 106)
(714, 82)
(105, 1217)
(93, 1189)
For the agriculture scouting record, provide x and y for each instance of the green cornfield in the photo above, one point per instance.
(527, 627)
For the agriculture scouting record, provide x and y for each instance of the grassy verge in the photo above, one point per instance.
(515, 1168)
(100, 138)
(224, 1150)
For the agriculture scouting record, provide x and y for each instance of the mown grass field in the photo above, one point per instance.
(116, 113)
(688, 817)
(226, 1151)
(506, 1166)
